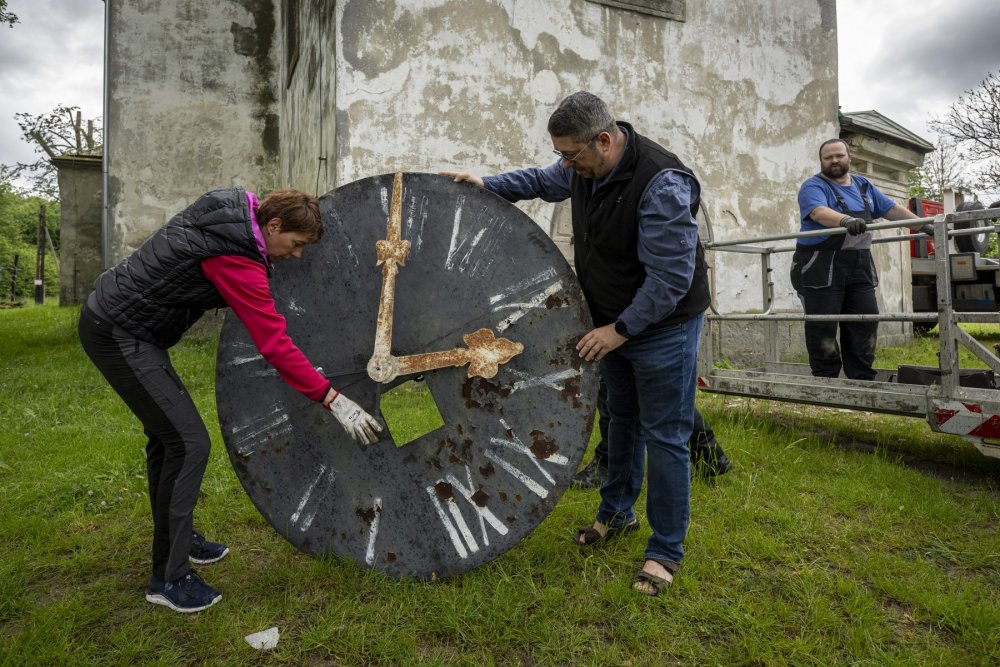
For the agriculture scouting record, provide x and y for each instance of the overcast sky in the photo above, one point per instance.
(908, 64)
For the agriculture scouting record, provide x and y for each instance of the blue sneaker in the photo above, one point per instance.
(204, 552)
(186, 595)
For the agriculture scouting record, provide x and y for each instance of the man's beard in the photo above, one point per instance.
(834, 171)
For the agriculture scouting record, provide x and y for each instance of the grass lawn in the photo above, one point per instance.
(839, 538)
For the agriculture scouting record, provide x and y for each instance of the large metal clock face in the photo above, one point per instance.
(476, 271)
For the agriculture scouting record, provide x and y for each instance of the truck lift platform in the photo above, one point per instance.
(947, 403)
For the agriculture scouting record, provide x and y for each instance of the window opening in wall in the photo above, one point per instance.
(291, 16)
(668, 9)
(410, 412)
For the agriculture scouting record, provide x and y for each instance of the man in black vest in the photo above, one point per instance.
(643, 274)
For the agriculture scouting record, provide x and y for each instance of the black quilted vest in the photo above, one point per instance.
(158, 291)
(606, 236)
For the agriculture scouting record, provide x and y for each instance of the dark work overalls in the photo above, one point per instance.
(834, 277)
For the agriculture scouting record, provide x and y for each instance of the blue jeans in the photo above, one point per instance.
(651, 385)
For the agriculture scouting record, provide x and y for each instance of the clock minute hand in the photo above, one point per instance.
(484, 354)
(391, 254)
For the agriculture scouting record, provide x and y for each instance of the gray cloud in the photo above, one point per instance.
(942, 53)
(52, 56)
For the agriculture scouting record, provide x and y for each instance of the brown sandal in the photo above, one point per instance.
(590, 535)
(658, 583)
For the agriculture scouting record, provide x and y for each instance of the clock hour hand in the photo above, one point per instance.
(391, 254)
(484, 355)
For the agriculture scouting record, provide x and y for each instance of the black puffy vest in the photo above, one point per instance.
(159, 291)
(606, 236)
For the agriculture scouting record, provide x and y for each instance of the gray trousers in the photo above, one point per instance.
(178, 442)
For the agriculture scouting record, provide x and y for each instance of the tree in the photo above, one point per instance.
(973, 123)
(944, 167)
(18, 236)
(7, 17)
(55, 133)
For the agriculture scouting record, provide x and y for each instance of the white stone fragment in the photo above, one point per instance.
(263, 640)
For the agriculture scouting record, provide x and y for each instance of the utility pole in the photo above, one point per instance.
(40, 258)
(13, 279)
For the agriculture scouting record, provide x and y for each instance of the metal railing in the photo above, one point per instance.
(791, 382)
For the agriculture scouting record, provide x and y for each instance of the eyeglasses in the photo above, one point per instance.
(574, 156)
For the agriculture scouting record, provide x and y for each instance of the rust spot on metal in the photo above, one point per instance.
(503, 496)
(444, 490)
(367, 514)
(571, 391)
(390, 557)
(470, 402)
(517, 497)
(487, 470)
(541, 446)
(476, 392)
(555, 301)
(481, 498)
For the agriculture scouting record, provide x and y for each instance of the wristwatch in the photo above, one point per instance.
(621, 329)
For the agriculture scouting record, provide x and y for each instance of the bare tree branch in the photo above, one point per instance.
(53, 134)
(973, 123)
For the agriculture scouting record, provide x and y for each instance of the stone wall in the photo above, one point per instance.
(79, 226)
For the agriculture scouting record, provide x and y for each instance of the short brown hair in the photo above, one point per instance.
(298, 212)
(834, 141)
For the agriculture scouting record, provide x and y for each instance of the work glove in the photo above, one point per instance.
(854, 226)
(927, 229)
(359, 424)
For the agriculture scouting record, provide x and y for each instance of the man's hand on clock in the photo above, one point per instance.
(459, 176)
(359, 424)
(598, 342)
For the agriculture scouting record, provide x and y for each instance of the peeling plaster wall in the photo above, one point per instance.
(191, 108)
(743, 93)
(308, 112)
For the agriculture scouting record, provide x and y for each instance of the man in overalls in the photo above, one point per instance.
(835, 274)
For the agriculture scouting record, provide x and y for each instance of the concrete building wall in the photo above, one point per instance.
(79, 226)
(307, 36)
(192, 107)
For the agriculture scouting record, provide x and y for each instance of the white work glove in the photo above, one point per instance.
(359, 424)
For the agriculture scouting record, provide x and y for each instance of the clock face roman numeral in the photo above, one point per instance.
(376, 513)
(249, 437)
(442, 497)
(470, 252)
(313, 495)
(443, 493)
(524, 296)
